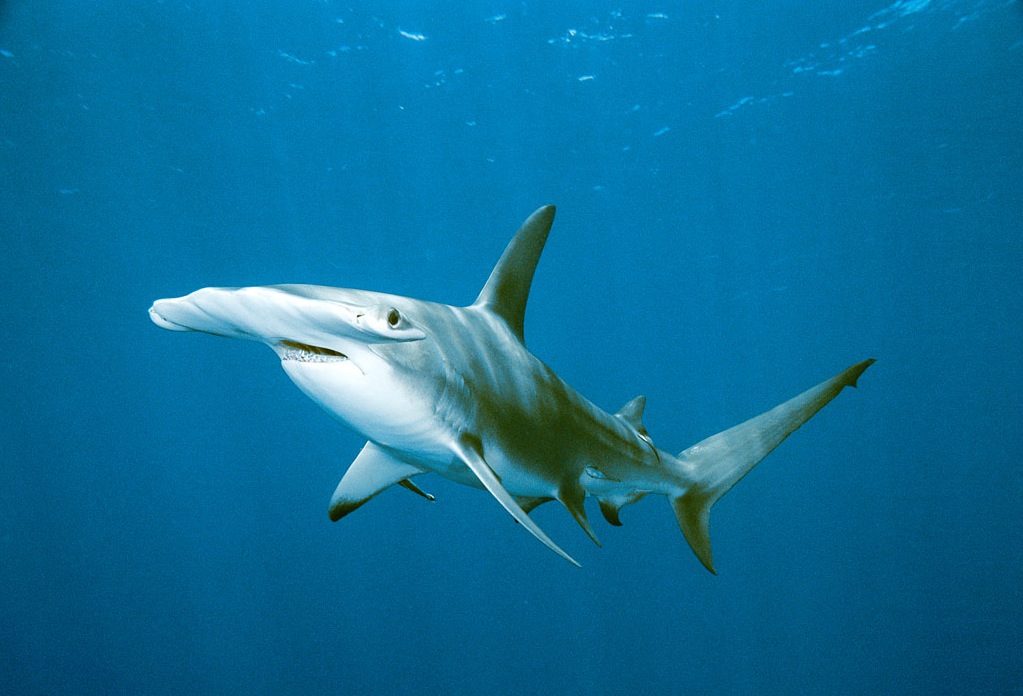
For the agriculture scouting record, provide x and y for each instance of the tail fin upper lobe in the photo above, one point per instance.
(719, 462)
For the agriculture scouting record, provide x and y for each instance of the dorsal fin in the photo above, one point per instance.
(632, 413)
(507, 289)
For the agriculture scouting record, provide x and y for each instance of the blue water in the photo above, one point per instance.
(752, 196)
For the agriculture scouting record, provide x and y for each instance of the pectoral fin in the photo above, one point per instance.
(372, 471)
(470, 451)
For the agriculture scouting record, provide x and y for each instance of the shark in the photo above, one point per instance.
(454, 391)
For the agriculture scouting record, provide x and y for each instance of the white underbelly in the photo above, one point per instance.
(376, 408)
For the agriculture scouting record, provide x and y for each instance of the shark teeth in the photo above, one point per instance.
(303, 352)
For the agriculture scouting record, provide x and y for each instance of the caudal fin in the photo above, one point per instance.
(719, 462)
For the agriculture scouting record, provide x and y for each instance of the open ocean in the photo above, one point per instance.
(751, 197)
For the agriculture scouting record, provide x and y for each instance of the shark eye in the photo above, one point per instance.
(393, 318)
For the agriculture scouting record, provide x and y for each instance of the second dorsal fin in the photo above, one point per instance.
(632, 413)
(507, 289)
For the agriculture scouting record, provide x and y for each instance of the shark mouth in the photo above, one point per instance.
(303, 352)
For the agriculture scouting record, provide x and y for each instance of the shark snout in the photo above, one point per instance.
(157, 314)
(218, 311)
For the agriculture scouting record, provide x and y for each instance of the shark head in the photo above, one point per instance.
(351, 351)
(304, 314)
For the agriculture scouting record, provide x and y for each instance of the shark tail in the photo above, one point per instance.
(716, 464)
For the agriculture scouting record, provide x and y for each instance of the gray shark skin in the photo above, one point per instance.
(454, 391)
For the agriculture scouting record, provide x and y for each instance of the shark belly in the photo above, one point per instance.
(374, 408)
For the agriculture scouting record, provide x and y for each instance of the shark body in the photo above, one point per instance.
(454, 391)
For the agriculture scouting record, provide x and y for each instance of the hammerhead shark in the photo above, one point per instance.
(455, 391)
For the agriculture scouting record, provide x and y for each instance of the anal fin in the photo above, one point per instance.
(611, 505)
(372, 471)
(470, 451)
(610, 511)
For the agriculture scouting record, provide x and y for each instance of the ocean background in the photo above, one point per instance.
(751, 197)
